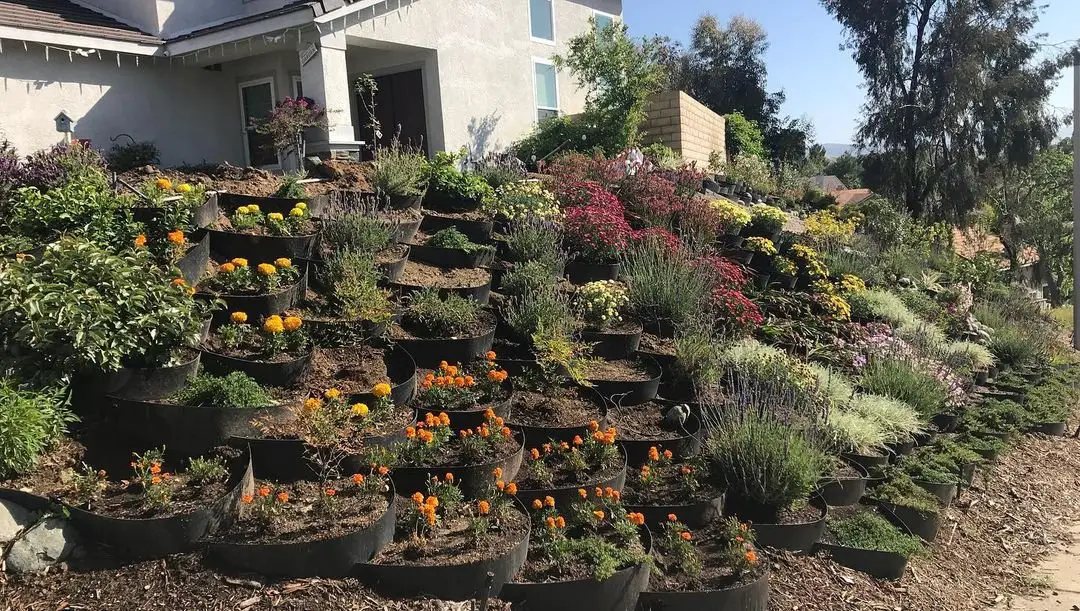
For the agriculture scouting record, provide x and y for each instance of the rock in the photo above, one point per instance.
(41, 547)
(13, 519)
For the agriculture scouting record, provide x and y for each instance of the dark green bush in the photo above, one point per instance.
(234, 391)
(124, 157)
(870, 530)
(30, 421)
(441, 317)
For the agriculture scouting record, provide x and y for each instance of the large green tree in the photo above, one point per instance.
(953, 87)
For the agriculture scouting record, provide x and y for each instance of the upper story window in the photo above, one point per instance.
(542, 19)
(547, 89)
(603, 20)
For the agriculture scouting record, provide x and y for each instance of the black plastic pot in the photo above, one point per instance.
(841, 492)
(612, 344)
(392, 270)
(201, 216)
(920, 523)
(141, 539)
(624, 394)
(566, 495)
(405, 231)
(344, 333)
(924, 438)
(685, 445)
(731, 241)
(451, 581)
(225, 245)
(992, 372)
(901, 449)
(476, 231)
(430, 352)
(944, 492)
(580, 272)
(946, 423)
(149, 383)
(693, 515)
(740, 256)
(536, 435)
(480, 294)
(880, 564)
(401, 370)
(664, 329)
(981, 377)
(230, 202)
(1054, 429)
(450, 257)
(284, 373)
(472, 418)
(434, 200)
(335, 557)
(753, 596)
(870, 463)
(473, 480)
(193, 264)
(405, 202)
(287, 460)
(256, 305)
(616, 593)
(793, 537)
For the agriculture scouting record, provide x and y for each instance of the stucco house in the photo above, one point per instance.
(189, 75)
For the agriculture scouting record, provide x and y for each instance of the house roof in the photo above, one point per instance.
(290, 7)
(828, 184)
(64, 17)
(851, 196)
(970, 243)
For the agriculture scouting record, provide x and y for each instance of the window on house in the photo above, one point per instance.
(542, 19)
(547, 91)
(603, 20)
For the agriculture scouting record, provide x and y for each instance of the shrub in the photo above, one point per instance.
(64, 164)
(927, 339)
(577, 193)
(767, 219)
(699, 358)
(886, 306)
(902, 491)
(850, 431)
(930, 467)
(451, 237)
(922, 305)
(357, 232)
(202, 471)
(967, 356)
(665, 286)
(528, 277)
(997, 417)
(595, 233)
(600, 303)
(662, 156)
(124, 157)
(534, 311)
(828, 231)
(353, 286)
(1014, 345)
(522, 198)
(397, 170)
(904, 381)
(233, 391)
(898, 420)
(80, 308)
(79, 207)
(446, 182)
(291, 187)
(534, 239)
(441, 316)
(287, 122)
(30, 420)
(869, 530)
(751, 362)
(12, 173)
(835, 386)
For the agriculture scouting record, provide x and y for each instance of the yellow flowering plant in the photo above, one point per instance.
(238, 277)
(760, 245)
(274, 336)
(809, 261)
(733, 217)
(522, 198)
(827, 230)
(295, 222)
(767, 219)
(600, 303)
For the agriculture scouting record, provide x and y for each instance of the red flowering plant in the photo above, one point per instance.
(584, 192)
(663, 236)
(687, 179)
(722, 272)
(597, 233)
(736, 314)
(578, 167)
(698, 221)
(650, 198)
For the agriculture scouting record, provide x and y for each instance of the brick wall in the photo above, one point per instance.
(677, 120)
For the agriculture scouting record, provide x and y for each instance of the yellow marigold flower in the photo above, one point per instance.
(177, 237)
(274, 324)
(227, 268)
(293, 323)
(312, 404)
(163, 184)
(240, 262)
(253, 207)
(275, 216)
(297, 212)
(283, 263)
(332, 393)
(301, 205)
(243, 210)
(266, 269)
(360, 409)
(184, 188)
(382, 389)
(239, 317)
(140, 241)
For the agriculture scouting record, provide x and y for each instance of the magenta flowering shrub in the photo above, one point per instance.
(595, 233)
(650, 197)
(63, 164)
(287, 122)
(723, 273)
(583, 193)
(12, 173)
(687, 179)
(577, 167)
(668, 240)
(734, 311)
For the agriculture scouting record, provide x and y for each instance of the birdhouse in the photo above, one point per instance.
(63, 123)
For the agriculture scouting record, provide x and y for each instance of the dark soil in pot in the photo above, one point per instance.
(281, 370)
(845, 485)
(580, 272)
(391, 262)
(566, 485)
(225, 245)
(944, 492)
(229, 202)
(475, 225)
(795, 529)
(1054, 429)
(643, 426)
(558, 415)
(670, 494)
(355, 371)
(614, 342)
(625, 382)
(870, 462)
(429, 352)
(304, 543)
(472, 283)
(473, 476)
(470, 416)
(256, 305)
(451, 566)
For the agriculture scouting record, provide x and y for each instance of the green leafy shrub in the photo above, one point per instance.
(997, 416)
(30, 421)
(202, 471)
(767, 219)
(1015, 345)
(699, 358)
(353, 287)
(663, 156)
(533, 311)
(923, 305)
(451, 237)
(441, 316)
(291, 187)
(927, 339)
(233, 391)
(967, 356)
(82, 207)
(124, 157)
(834, 385)
(882, 305)
(869, 530)
(528, 277)
(534, 239)
(446, 182)
(80, 308)
(902, 491)
(904, 381)
(898, 420)
(850, 431)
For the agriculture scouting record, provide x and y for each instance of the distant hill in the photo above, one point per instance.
(834, 150)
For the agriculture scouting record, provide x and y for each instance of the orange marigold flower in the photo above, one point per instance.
(443, 364)
(535, 454)
(226, 268)
(384, 470)
(550, 522)
(654, 454)
(493, 376)
(331, 492)
(469, 381)
(599, 515)
(583, 493)
(312, 404)
(672, 517)
(452, 370)
(484, 432)
(685, 536)
(177, 237)
(598, 437)
(155, 480)
(668, 454)
(686, 470)
(247, 499)
(483, 507)
(636, 519)
(418, 498)
(426, 436)
(164, 184)
(459, 382)
(332, 393)
(178, 282)
(444, 419)
(432, 501)
(594, 426)
(140, 241)
(577, 440)
(751, 557)
(240, 262)
(599, 492)
(549, 501)
(449, 477)
(537, 504)
(501, 485)
(426, 384)
(292, 323)
(357, 478)
(560, 522)
(264, 491)
(497, 472)
(283, 262)
(511, 488)
(266, 269)
(609, 492)
(238, 317)
(410, 432)
(155, 468)
(273, 325)
(283, 497)
(616, 495)
(506, 432)
(490, 355)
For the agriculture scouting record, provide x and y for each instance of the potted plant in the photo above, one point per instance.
(623, 382)
(274, 352)
(450, 328)
(467, 393)
(172, 206)
(764, 252)
(715, 567)
(767, 221)
(398, 173)
(530, 240)
(646, 426)
(348, 306)
(252, 232)
(593, 554)
(451, 248)
(262, 290)
(666, 286)
(786, 271)
(368, 235)
(663, 486)
(450, 548)
(450, 189)
(919, 510)
(697, 365)
(569, 471)
(601, 306)
(733, 218)
(867, 541)
(594, 235)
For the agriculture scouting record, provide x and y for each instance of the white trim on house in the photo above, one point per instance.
(297, 85)
(78, 41)
(614, 18)
(237, 33)
(536, 103)
(554, 34)
(347, 10)
(245, 129)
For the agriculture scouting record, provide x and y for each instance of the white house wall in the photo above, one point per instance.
(190, 113)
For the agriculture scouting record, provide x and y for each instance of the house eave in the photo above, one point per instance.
(80, 41)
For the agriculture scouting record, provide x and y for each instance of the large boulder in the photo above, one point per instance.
(14, 519)
(43, 546)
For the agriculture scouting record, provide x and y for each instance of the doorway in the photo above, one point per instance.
(399, 102)
(257, 100)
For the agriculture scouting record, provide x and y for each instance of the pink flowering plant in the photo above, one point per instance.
(596, 233)
(287, 122)
(583, 193)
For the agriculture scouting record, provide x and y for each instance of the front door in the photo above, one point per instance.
(256, 104)
(399, 104)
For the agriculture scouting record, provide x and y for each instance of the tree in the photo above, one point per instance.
(953, 87)
(848, 168)
(743, 137)
(1033, 209)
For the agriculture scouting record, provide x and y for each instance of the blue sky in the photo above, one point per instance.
(804, 58)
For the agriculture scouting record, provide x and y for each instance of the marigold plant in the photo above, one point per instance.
(455, 387)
